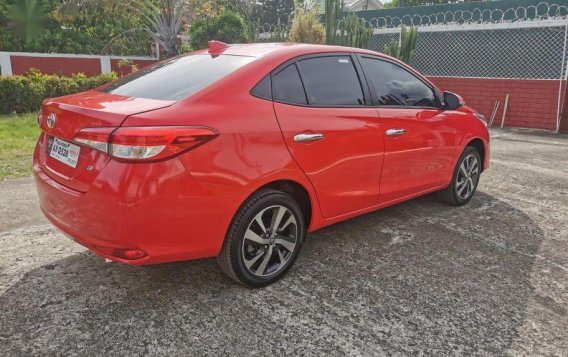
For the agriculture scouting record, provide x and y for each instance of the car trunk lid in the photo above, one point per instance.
(62, 118)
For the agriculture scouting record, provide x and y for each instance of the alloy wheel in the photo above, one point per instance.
(468, 175)
(269, 241)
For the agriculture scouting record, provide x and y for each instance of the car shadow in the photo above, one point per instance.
(419, 277)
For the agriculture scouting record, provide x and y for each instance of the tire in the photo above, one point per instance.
(464, 180)
(254, 253)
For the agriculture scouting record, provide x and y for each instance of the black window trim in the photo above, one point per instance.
(374, 96)
(358, 70)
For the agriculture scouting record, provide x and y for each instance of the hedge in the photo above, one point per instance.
(25, 93)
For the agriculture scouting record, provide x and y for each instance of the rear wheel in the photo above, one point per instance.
(465, 178)
(264, 239)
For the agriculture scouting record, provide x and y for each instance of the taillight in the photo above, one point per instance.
(145, 143)
(97, 138)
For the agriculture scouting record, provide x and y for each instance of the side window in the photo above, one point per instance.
(331, 80)
(263, 89)
(287, 86)
(396, 86)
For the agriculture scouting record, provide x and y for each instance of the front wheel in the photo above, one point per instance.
(465, 178)
(264, 239)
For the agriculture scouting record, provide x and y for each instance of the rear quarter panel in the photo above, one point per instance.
(249, 152)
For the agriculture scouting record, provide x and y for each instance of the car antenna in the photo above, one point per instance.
(216, 47)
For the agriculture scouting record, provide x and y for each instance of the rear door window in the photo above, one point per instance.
(177, 78)
(395, 86)
(331, 81)
(287, 86)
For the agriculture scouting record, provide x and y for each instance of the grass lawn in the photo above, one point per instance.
(18, 135)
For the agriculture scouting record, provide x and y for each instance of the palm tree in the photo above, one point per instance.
(162, 19)
(26, 19)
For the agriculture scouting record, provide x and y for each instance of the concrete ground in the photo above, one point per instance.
(419, 278)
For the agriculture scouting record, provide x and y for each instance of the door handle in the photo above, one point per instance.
(395, 132)
(307, 137)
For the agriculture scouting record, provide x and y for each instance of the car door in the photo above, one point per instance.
(419, 142)
(331, 130)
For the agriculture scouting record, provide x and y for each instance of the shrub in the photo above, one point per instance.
(227, 27)
(307, 28)
(21, 94)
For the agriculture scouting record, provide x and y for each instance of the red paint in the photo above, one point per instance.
(65, 66)
(345, 166)
(216, 47)
(180, 207)
(532, 103)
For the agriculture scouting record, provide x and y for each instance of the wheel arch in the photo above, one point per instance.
(298, 192)
(479, 145)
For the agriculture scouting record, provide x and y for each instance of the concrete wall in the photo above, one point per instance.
(65, 64)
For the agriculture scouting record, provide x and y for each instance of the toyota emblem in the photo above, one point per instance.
(51, 120)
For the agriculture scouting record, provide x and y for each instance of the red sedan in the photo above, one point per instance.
(238, 151)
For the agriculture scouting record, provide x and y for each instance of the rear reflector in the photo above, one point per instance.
(146, 143)
(126, 254)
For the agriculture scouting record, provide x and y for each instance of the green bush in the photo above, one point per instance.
(22, 94)
(228, 27)
(307, 28)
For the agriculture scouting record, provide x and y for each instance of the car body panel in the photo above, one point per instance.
(423, 157)
(344, 166)
(72, 113)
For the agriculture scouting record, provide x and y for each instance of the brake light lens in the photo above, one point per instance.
(147, 143)
(97, 138)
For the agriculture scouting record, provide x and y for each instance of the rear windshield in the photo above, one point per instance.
(177, 78)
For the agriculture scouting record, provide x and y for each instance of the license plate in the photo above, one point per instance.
(65, 152)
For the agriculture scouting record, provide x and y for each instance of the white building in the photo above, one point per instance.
(361, 5)
(353, 5)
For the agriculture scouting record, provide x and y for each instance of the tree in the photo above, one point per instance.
(272, 10)
(162, 19)
(88, 34)
(3, 20)
(228, 27)
(26, 19)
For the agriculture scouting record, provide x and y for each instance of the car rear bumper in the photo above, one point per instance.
(160, 209)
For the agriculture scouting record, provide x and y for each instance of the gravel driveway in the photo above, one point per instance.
(490, 278)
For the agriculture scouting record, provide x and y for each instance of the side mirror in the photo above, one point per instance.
(452, 101)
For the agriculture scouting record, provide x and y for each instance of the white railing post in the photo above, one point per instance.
(105, 65)
(5, 64)
(562, 77)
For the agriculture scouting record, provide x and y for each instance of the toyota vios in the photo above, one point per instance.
(238, 151)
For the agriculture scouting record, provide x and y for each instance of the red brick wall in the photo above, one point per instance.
(56, 65)
(68, 65)
(126, 70)
(532, 103)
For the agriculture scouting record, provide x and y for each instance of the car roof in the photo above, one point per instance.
(285, 49)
